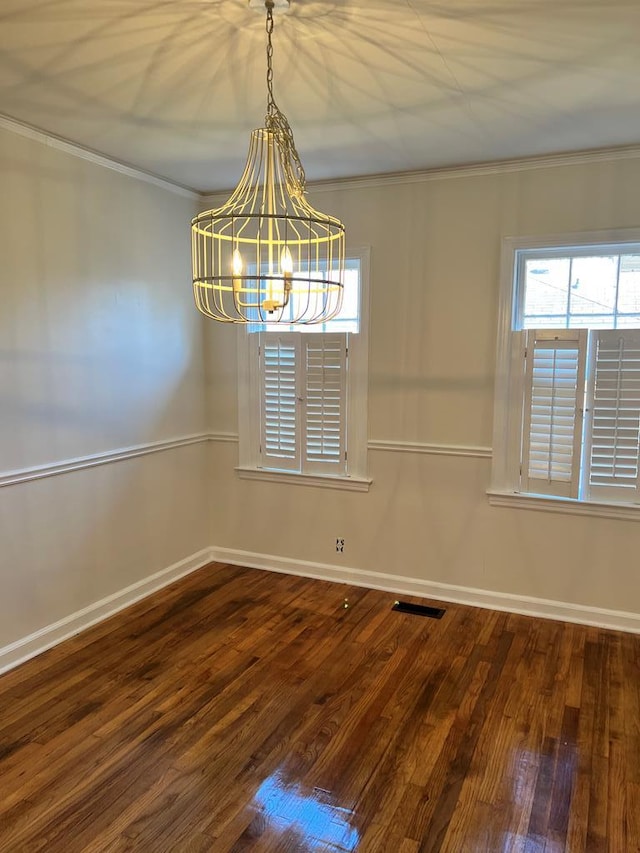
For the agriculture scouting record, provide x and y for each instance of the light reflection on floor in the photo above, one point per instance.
(311, 815)
(514, 843)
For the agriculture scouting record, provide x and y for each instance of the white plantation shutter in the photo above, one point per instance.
(324, 409)
(303, 381)
(553, 411)
(613, 433)
(279, 382)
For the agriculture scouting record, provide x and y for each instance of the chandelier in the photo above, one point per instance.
(266, 255)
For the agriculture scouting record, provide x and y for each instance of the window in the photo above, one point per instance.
(567, 420)
(303, 394)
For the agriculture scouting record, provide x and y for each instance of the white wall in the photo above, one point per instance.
(435, 250)
(100, 349)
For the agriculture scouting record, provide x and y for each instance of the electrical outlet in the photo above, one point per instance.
(340, 546)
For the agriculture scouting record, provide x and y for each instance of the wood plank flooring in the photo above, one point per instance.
(244, 710)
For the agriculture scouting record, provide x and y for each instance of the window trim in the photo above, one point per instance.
(356, 478)
(570, 506)
(349, 483)
(507, 423)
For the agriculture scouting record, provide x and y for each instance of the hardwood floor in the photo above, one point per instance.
(244, 710)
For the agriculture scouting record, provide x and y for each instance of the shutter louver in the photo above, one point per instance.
(554, 394)
(614, 422)
(325, 400)
(279, 383)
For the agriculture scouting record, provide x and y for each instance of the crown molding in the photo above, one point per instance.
(21, 129)
(210, 197)
(495, 167)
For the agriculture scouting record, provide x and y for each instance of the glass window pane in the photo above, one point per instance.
(546, 289)
(592, 321)
(350, 299)
(348, 320)
(629, 287)
(628, 321)
(593, 285)
(545, 321)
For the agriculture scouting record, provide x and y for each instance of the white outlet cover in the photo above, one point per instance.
(277, 4)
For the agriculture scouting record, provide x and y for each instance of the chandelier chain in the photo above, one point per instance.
(276, 121)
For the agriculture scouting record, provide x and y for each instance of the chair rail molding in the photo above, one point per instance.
(78, 463)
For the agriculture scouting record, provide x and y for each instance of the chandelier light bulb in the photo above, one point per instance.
(286, 262)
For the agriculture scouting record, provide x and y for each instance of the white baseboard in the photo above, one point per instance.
(618, 620)
(32, 645)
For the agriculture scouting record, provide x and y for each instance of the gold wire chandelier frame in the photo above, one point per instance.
(266, 255)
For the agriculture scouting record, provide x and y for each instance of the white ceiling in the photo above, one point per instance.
(369, 86)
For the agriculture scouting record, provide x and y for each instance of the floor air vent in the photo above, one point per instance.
(419, 609)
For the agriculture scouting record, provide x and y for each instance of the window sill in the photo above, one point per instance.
(321, 481)
(545, 503)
